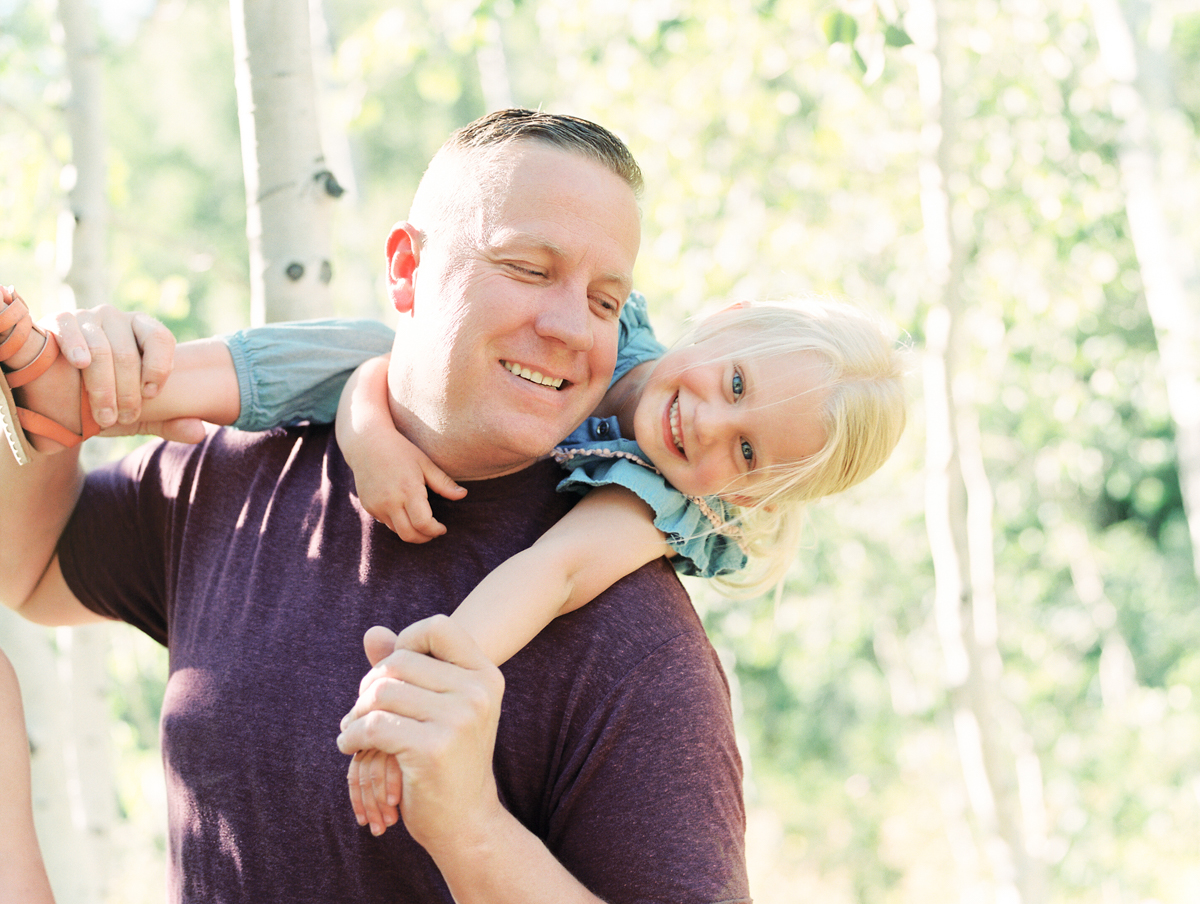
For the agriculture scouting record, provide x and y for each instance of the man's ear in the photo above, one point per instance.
(403, 256)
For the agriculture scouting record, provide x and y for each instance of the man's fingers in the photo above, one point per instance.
(99, 377)
(390, 733)
(378, 643)
(157, 345)
(119, 330)
(444, 639)
(383, 694)
(183, 430)
(180, 430)
(123, 357)
(427, 655)
(113, 378)
(70, 339)
(114, 329)
(423, 670)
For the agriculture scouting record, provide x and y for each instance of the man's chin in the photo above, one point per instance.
(535, 440)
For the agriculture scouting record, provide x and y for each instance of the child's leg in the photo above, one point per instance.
(22, 873)
(29, 355)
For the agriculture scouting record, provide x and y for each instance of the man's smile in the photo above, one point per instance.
(534, 376)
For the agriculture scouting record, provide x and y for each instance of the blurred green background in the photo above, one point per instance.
(784, 144)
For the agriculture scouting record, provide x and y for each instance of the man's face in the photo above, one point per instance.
(513, 335)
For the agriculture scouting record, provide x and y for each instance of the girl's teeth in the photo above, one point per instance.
(675, 431)
(532, 375)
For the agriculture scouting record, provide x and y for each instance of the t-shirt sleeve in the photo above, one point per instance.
(114, 550)
(649, 805)
(292, 372)
(701, 548)
(636, 341)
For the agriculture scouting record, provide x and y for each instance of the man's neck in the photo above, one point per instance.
(622, 398)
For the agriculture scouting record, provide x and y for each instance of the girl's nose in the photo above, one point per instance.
(712, 422)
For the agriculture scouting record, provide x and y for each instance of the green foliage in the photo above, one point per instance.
(781, 147)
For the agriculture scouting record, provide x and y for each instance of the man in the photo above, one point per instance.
(598, 765)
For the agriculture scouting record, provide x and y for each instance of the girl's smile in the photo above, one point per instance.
(709, 419)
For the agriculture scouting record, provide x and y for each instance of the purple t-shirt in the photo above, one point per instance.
(250, 557)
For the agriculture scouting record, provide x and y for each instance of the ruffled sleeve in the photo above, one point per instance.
(636, 341)
(292, 372)
(697, 529)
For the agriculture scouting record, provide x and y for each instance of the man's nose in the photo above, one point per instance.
(565, 316)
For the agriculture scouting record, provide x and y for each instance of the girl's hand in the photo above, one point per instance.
(373, 777)
(374, 784)
(390, 473)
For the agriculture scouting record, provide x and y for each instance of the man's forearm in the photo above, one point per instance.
(508, 864)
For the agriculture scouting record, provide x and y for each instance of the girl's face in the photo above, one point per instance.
(710, 418)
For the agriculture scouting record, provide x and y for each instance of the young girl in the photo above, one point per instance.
(22, 874)
(704, 453)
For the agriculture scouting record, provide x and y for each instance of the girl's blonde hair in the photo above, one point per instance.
(864, 414)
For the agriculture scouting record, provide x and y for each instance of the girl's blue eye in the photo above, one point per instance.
(747, 451)
(739, 385)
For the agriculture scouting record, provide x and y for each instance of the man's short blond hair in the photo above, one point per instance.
(455, 194)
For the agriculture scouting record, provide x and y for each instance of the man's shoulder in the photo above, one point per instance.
(229, 445)
(226, 462)
(642, 632)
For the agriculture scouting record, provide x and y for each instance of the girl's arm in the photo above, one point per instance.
(203, 384)
(610, 533)
(254, 379)
(390, 473)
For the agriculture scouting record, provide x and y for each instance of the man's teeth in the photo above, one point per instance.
(676, 434)
(533, 375)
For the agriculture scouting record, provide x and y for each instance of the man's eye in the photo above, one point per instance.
(526, 271)
(747, 452)
(739, 385)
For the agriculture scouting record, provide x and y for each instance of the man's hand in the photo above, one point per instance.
(433, 703)
(125, 358)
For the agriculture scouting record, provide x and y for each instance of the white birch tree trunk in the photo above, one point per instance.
(68, 706)
(493, 65)
(83, 229)
(1170, 271)
(289, 188)
(336, 106)
(995, 756)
